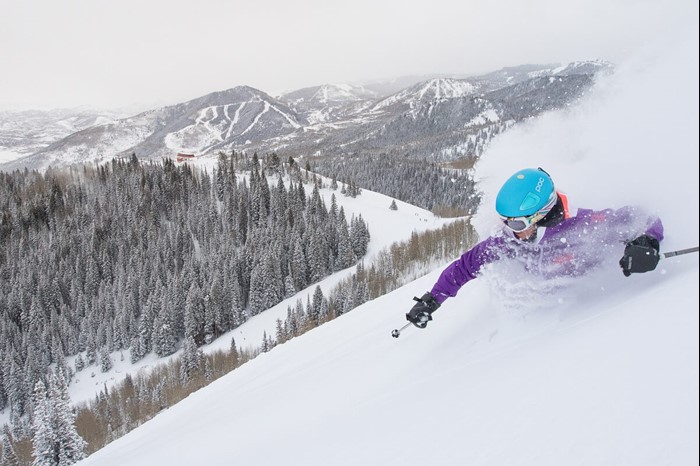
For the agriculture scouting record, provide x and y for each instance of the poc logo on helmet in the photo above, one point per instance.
(538, 188)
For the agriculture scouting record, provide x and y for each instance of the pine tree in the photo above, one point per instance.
(345, 251)
(56, 441)
(16, 395)
(317, 254)
(315, 310)
(299, 266)
(237, 316)
(43, 439)
(359, 236)
(72, 447)
(362, 294)
(216, 303)
(8, 456)
(300, 315)
(266, 345)
(90, 346)
(258, 283)
(280, 334)
(194, 313)
(79, 362)
(220, 175)
(235, 357)
(208, 371)
(163, 337)
(289, 288)
(105, 360)
(191, 360)
(273, 292)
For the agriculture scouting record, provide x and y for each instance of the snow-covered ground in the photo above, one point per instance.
(8, 156)
(602, 372)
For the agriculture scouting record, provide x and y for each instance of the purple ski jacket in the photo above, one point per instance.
(573, 247)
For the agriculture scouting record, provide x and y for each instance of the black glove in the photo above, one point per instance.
(641, 255)
(420, 314)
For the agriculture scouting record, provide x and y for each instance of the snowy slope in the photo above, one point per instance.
(428, 92)
(603, 371)
(609, 382)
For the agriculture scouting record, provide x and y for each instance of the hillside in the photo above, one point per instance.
(604, 381)
(602, 370)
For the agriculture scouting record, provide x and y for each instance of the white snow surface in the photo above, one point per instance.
(433, 90)
(8, 155)
(336, 93)
(601, 372)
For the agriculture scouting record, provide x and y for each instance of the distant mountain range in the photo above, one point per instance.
(436, 118)
(26, 132)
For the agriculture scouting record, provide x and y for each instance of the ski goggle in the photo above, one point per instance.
(519, 224)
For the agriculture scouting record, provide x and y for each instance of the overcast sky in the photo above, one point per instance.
(138, 53)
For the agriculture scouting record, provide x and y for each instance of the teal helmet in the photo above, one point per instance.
(526, 193)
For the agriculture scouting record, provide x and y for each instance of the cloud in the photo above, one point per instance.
(111, 54)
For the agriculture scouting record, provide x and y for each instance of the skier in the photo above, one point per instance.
(540, 233)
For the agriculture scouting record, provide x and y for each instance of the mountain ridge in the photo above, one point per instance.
(331, 119)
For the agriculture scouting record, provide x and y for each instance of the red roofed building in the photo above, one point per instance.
(183, 157)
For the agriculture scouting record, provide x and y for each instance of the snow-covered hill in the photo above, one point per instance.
(428, 92)
(23, 133)
(608, 381)
(210, 123)
(603, 371)
(329, 102)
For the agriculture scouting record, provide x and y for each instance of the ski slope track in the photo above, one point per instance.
(608, 380)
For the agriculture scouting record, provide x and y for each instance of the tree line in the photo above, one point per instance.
(444, 191)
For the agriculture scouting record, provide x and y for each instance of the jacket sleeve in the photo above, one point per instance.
(627, 223)
(466, 268)
(656, 229)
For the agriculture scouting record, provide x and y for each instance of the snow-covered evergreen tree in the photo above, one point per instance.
(359, 236)
(191, 360)
(55, 439)
(346, 255)
(105, 360)
(8, 455)
(45, 435)
(234, 352)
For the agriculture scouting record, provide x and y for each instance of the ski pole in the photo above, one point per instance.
(395, 333)
(679, 252)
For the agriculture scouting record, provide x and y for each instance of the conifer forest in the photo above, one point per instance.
(143, 256)
(156, 257)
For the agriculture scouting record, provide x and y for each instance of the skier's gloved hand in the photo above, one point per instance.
(420, 314)
(641, 255)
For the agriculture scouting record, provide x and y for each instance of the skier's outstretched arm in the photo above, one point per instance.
(456, 275)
